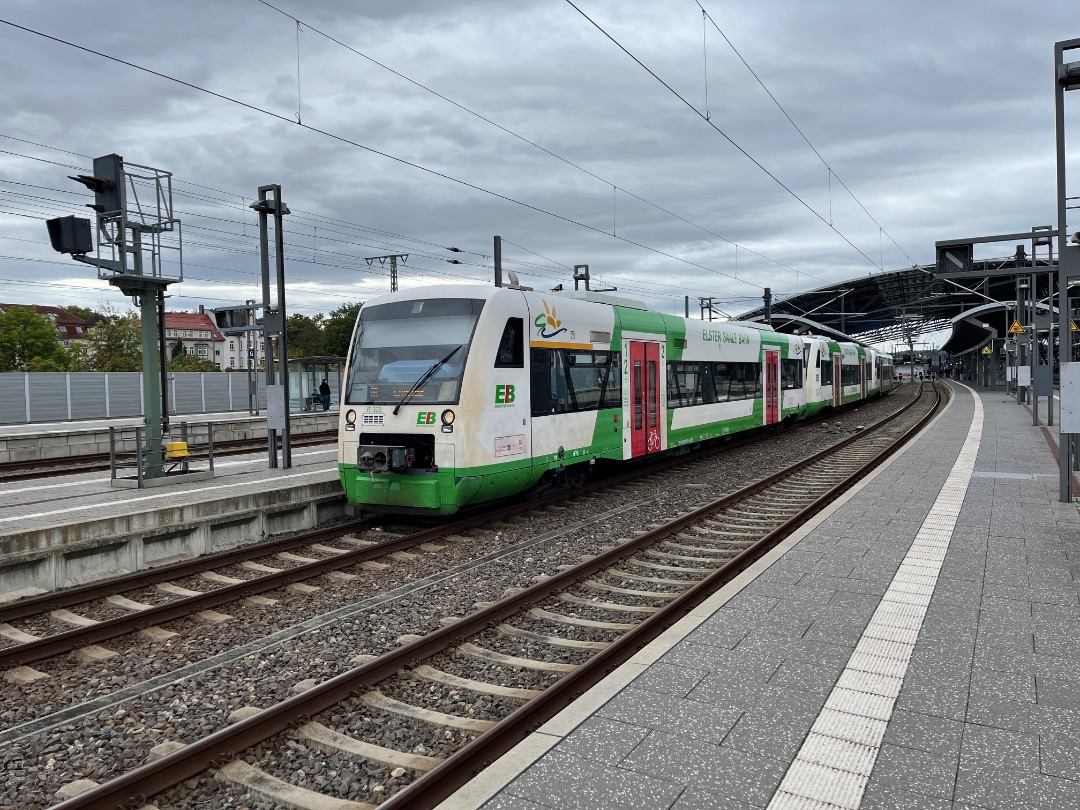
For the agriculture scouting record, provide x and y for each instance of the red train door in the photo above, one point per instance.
(772, 387)
(837, 383)
(644, 398)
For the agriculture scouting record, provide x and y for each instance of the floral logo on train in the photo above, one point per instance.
(548, 325)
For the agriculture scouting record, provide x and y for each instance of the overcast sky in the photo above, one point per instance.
(938, 116)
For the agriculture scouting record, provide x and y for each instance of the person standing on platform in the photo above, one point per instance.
(324, 393)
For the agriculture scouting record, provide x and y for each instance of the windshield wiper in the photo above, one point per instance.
(425, 377)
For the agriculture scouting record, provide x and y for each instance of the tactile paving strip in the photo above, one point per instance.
(834, 763)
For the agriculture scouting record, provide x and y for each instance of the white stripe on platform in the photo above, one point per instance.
(834, 763)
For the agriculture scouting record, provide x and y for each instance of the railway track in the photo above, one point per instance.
(119, 606)
(99, 462)
(510, 665)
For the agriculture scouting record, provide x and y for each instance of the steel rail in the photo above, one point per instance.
(134, 788)
(459, 768)
(77, 595)
(55, 600)
(121, 625)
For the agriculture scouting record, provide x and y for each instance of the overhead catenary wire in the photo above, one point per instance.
(219, 235)
(358, 145)
(832, 172)
(615, 186)
(726, 137)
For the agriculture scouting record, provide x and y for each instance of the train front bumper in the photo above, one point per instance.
(440, 493)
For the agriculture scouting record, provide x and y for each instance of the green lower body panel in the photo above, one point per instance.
(440, 493)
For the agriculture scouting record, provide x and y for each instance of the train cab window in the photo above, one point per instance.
(511, 353)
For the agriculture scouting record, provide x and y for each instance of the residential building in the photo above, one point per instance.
(69, 327)
(199, 336)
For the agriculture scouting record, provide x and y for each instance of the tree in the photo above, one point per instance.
(82, 312)
(46, 364)
(29, 342)
(117, 346)
(78, 356)
(338, 329)
(178, 349)
(189, 362)
(306, 337)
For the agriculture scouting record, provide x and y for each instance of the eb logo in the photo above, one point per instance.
(504, 394)
(425, 418)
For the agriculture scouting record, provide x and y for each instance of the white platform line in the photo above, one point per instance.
(834, 764)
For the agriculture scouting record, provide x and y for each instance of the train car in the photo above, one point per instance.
(456, 395)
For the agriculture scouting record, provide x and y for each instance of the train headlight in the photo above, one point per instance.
(447, 421)
(447, 418)
(350, 419)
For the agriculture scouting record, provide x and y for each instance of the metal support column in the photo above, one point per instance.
(151, 379)
(164, 364)
(274, 325)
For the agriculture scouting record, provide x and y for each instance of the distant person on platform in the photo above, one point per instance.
(324, 393)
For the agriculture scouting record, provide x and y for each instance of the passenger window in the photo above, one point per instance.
(511, 353)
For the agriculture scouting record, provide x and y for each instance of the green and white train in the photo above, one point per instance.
(458, 394)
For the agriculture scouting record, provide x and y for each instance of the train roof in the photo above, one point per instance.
(487, 291)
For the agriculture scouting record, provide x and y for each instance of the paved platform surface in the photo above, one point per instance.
(26, 505)
(919, 647)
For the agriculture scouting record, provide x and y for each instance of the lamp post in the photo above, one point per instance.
(275, 322)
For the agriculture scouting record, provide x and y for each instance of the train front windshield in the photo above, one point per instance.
(398, 343)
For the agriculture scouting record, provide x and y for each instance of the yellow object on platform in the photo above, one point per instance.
(176, 450)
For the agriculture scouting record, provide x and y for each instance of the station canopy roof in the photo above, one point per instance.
(900, 306)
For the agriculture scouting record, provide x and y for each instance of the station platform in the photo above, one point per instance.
(72, 529)
(58, 440)
(918, 646)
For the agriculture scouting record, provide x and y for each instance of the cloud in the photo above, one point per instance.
(937, 116)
